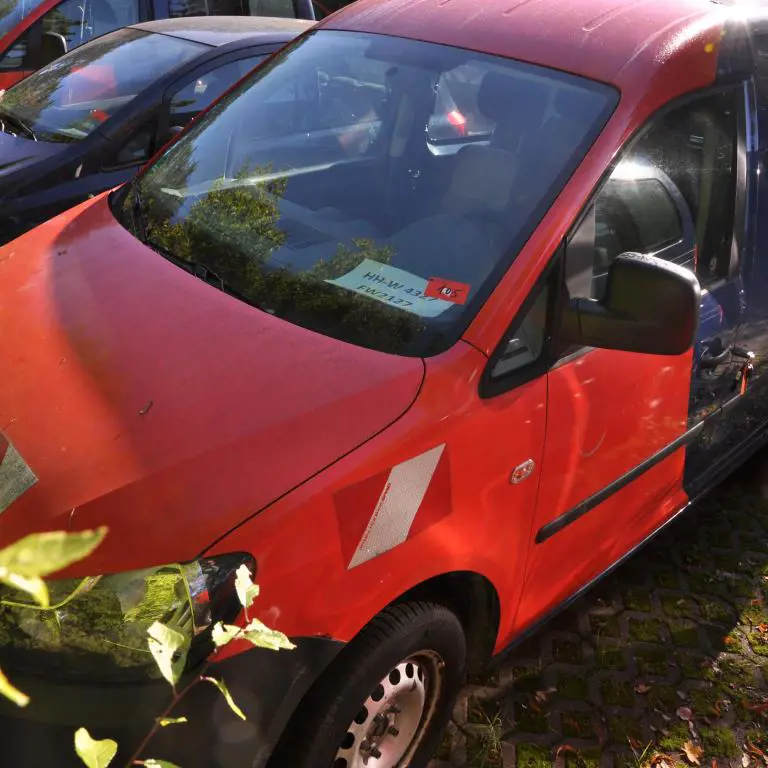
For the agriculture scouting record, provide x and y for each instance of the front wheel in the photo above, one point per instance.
(385, 702)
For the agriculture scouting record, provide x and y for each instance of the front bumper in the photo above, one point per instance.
(267, 686)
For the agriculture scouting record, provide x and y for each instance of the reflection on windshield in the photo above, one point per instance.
(14, 11)
(70, 98)
(331, 190)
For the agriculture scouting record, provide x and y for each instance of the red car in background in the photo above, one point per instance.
(428, 386)
(35, 32)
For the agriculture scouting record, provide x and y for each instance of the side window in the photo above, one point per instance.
(179, 8)
(68, 26)
(76, 22)
(672, 196)
(200, 93)
(526, 344)
(18, 55)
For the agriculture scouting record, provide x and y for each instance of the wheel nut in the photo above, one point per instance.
(392, 731)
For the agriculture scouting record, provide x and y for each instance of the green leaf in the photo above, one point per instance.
(221, 685)
(169, 649)
(31, 585)
(25, 563)
(152, 763)
(95, 754)
(163, 722)
(223, 633)
(247, 591)
(41, 554)
(262, 636)
(14, 694)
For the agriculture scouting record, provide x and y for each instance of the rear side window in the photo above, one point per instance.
(279, 8)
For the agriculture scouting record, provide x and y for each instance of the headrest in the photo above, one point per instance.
(500, 96)
(482, 182)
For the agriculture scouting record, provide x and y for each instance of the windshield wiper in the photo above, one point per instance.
(20, 125)
(139, 217)
(201, 272)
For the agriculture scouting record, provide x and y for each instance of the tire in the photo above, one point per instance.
(407, 652)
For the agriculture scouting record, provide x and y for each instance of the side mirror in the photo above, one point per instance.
(650, 306)
(171, 133)
(52, 46)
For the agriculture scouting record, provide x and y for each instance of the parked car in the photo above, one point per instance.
(88, 121)
(35, 32)
(428, 397)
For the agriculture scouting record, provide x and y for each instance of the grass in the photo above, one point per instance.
(617, 693)
(567, 651)
(645, 630)
(533, 756)
(484, 747)
(572, 687)
(720, 742)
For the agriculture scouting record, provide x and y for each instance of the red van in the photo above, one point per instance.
(35, 32)
(429, 385)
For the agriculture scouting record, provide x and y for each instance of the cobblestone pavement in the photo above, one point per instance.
(673, 649)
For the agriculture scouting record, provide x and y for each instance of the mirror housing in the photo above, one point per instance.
(650, 306)
(52, 46)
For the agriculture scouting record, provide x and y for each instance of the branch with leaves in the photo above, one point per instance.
(24, 567)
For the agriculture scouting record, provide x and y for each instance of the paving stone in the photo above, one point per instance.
(684, 625)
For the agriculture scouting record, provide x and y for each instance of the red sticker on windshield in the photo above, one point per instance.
(99, 115)
(448, 290)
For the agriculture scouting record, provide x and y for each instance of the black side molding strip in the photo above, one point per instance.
(581, 509)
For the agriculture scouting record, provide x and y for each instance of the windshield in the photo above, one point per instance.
(14, 11)
(330, 189)
(70, 98)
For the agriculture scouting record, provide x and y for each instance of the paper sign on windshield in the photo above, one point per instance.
(392, 286)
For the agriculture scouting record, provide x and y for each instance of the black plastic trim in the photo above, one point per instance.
(581, 509)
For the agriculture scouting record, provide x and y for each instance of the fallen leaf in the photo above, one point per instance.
(642, 688)
(542, 696)
(684, 713)
(693, 752)
(762, 628)
(634, 743)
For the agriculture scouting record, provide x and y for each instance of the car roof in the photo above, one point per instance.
(221, 30)
(599, 39)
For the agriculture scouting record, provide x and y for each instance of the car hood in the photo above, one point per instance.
(136, 396)
(17, 153)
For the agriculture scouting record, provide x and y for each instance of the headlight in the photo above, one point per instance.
(96, 628)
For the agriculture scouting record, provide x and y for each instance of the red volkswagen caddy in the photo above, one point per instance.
(430, 386)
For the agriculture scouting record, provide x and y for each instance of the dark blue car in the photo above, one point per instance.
(87, 121)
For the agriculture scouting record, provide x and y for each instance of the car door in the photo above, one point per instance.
(622, 428)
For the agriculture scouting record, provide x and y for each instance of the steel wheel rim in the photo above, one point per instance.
(392, 721)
